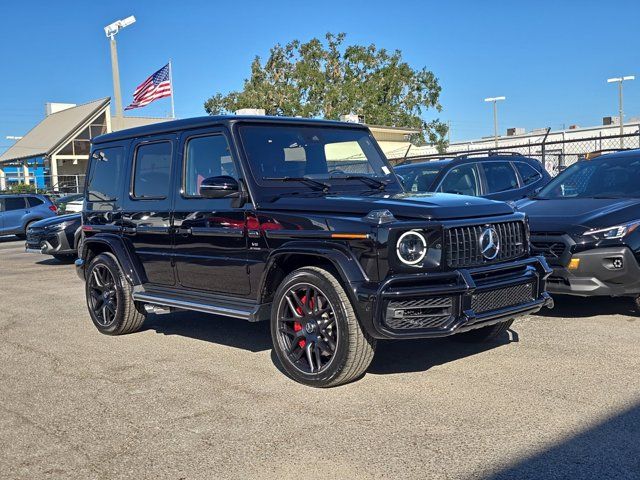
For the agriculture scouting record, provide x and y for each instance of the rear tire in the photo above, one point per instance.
(109, 299)
(484, 334)
(22, 236)
(315, 332)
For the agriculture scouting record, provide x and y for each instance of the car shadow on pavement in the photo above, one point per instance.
(9, 238)
(608, 450)
(567, 306)
(232, 332)
(401, 356)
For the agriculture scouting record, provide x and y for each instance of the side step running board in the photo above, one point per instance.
(227, 311)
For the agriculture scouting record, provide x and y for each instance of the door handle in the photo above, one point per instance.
(129, 230)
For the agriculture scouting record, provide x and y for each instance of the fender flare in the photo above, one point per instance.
(347, 266)
(130, 265)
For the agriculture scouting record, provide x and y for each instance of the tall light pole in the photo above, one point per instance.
(619, 80)
(495, 115)
(111, 31)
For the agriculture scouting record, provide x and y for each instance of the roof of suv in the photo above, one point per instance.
(200, 122)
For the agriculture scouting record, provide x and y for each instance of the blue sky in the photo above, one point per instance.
(549, 58)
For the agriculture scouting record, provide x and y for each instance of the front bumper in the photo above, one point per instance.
(601, 271)
(442, 304)
(48, 242)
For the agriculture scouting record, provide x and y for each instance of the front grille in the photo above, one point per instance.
(420, 313)
(463, 244)
(502, 298)
(550, 250)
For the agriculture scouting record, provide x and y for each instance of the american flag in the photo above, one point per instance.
(156, 86)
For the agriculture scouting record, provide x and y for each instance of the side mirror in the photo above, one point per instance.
(534, 192)
(219, 187)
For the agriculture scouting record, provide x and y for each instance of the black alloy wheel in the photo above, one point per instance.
(103, 299)
(307, 328)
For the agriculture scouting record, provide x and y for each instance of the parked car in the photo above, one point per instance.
(70, 203)
(585, 222)
(301, 223)
(19, 211)
(57, 236)
(499, 177)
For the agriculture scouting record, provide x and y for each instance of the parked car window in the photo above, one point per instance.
(105, 175)
(606, 178)
(206, 157)
(152, 170)
(34, 201)
(462, 180)
(528, 174)
(500, 176)
(419, 178)
(14, 203)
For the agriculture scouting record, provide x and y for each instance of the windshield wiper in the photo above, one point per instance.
(310, 181)
(372, 182)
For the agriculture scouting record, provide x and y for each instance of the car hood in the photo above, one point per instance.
(432, 206)
(47, 222)
(575, 215)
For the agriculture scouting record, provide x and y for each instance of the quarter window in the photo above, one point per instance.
(462, 180)
(152, 171)
(528, 174)
(206, 157)
(105, 175)
(34, 201)
(500, 176)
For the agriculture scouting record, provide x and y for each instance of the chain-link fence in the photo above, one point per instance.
(555, 155)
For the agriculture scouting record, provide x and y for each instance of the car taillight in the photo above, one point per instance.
(53, 208)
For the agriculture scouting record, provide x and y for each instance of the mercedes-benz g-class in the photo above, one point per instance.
(301, 223)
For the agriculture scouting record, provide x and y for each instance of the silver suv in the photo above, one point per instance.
(17, 212)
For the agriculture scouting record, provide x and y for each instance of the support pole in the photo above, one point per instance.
(115, 71)
(173, 108)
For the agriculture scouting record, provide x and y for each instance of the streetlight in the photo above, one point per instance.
(111, 31)
(495, 115)
(619, 80)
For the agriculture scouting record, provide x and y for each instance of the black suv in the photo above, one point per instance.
(301, 223)
(496, 176)
(585, 222)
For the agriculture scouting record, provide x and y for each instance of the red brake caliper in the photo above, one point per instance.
(297, 326)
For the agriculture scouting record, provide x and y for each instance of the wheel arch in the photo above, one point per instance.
(334, 258)
(110, 243)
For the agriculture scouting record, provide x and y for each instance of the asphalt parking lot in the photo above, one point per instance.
(194, 396)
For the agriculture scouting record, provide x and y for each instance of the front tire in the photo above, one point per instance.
(315, 332)
(484, 334)
(109, 299)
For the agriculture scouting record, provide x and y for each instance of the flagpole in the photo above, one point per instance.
(173, 109)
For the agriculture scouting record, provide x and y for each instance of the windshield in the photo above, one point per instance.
(604, 178)
(332, 155)
(419, 178)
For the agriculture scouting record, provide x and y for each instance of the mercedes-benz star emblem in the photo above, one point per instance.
(489, 243)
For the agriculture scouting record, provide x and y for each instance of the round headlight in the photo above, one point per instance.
(411, 247)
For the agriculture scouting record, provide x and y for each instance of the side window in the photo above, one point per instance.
(34, 201)
(527, 173)
(105, 174)
(206, 157)
(152, 171)
(14, 203)
(500, 176)
(462, 180)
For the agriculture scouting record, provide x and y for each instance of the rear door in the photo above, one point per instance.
(210, 241)
(501, 180)
(530, 178)
(14, 210)
(146, 209)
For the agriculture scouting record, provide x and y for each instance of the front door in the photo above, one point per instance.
(146, 215)
(210, 240)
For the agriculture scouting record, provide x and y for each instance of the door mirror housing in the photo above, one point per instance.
(222, 186)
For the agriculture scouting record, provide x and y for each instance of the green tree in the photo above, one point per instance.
(328, 79)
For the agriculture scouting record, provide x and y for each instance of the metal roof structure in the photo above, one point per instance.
(54, 131)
